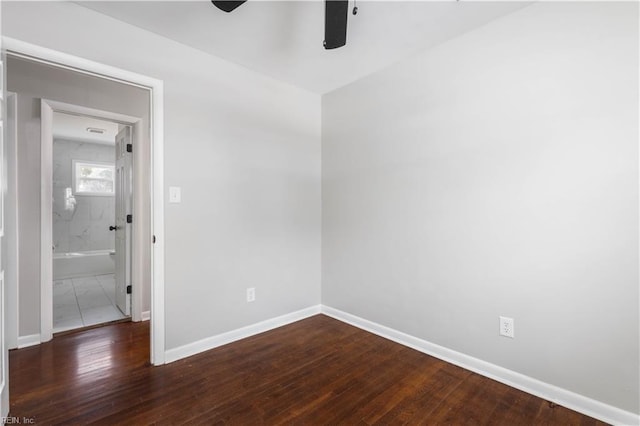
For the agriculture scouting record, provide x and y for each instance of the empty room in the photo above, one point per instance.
(320, 212)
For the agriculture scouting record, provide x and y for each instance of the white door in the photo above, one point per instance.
(123, 226)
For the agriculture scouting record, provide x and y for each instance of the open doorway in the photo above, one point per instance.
(44, 82)
(100, 179)
(92, 192)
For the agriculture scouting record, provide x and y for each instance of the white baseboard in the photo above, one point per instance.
(566, 398)
(30, 340)
(145, 316)
(240, 333)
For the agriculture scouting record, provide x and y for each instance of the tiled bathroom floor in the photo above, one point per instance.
(80, 302)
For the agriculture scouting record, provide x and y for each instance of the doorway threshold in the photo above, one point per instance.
(91, 327)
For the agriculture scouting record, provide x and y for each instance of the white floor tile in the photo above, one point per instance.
(101, 314)
(63, 288)
(110, 291)
(112, 297)
(93, 300)
(64, 292)
(88, 291)
(62, 312)
(64, 298)
(108, 284)
(85, 284)
(80, 281)
(80, 302)
(67, 324)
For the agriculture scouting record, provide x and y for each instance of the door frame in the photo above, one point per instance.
(155, 87)
(11, 219)
(47, 108)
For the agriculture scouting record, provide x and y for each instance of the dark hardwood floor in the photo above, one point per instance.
(315, 371)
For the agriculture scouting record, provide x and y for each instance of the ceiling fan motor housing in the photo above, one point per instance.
(335, 23)
(335, 19)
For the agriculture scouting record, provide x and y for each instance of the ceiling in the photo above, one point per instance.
(283, 39)
(74, 127)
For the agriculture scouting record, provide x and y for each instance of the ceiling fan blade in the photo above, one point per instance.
(335, 23)
(227, 5)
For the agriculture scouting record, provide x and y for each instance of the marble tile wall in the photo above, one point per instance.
(84, 225)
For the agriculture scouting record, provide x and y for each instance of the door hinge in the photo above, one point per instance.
(129, 289)
(154, 239)
(129, 147)
(129, 218)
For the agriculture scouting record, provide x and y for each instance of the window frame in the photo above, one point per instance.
(74, 181)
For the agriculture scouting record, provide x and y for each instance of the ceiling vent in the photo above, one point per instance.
(96, 130)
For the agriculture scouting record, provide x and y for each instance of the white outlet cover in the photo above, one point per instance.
(251, 294)
(175, 195)
(506, 327)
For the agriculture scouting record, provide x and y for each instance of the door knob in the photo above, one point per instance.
(112, 228)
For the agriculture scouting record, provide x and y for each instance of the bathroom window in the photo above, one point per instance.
(93, 178)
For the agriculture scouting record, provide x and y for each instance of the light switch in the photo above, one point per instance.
(174, 194)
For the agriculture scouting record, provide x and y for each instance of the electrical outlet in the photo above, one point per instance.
(506, 327)
(251, 294)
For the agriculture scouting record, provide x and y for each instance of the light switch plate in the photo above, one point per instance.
(174, 194)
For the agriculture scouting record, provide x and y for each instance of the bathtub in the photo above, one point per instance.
(82, 264)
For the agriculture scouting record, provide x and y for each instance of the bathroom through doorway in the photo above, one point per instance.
(92, 193)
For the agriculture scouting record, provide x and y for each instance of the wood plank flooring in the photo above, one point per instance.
(317, 371)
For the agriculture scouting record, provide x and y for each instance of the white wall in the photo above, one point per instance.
(497, 174)
(246, 151)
